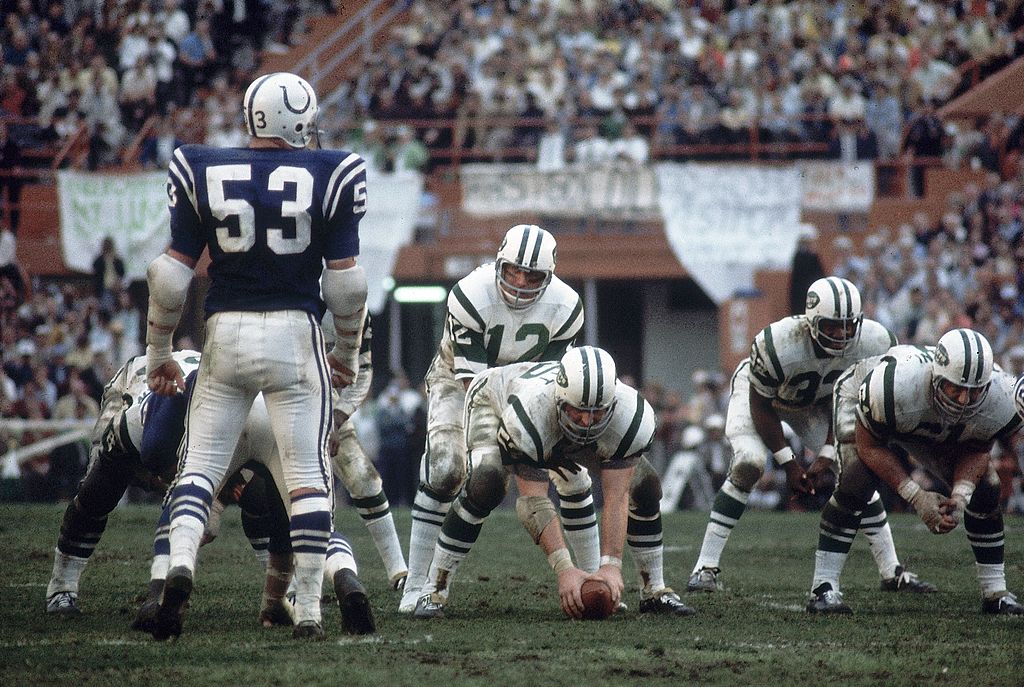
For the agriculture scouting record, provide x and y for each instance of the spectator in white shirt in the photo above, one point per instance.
(551, 148)
(632, 147)
(591, 148)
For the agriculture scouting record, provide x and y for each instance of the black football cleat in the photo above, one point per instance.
(177, 589)
(356, 614)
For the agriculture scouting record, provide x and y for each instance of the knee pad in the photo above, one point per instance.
(645, 490)
(444, 467)
(745, 473)
(487, 486)
(353, 468)
(536, 513)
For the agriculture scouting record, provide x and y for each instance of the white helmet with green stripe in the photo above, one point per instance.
(585, 393)
(525, 264)
(961, 373)
(834, 312)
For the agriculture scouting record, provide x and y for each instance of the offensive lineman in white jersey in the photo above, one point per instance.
(514, 310)
(527, 419)
(788, 377)
(941, 408)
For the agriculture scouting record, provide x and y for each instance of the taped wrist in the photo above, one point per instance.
(908, 490)
(560, 560)
(963, 489)
(783, 456)
(614, 561)
(828, 452)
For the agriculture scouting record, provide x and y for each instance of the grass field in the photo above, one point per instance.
(504, 625)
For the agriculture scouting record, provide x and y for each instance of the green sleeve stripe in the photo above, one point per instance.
(769, 348)
(892, 338)
(576, 312)
(889, 395)
(634, 427)
(464, 301)
(531, 430)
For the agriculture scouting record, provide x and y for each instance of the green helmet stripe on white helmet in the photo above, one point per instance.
(586, 382)
(963, 357)
(834, 300)
(527, 247)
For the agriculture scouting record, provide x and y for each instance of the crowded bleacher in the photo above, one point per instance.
(550, 82)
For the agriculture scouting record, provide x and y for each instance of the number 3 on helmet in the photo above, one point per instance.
(281, 105)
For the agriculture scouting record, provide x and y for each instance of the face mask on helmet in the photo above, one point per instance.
(585, 393)
(525, 264)
(834, 313)
(282, 106)
(961, 373)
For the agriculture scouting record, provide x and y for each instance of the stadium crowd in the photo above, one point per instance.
(567, 77)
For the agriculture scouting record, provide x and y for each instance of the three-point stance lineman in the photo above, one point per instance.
(942, 407)
(526, 419)
(789, 377)
(270, 214)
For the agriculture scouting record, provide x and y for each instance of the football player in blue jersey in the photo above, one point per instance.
(270, 215)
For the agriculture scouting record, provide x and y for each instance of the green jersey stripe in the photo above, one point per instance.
(528, 425)
(460, 296)
(773, 356)
(634, 427)
(573, 316)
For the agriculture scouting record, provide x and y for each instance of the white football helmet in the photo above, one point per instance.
(834, 312)
(586, 382)
(1018, 396)
(529, 248)
(281, 105)
(963, 357)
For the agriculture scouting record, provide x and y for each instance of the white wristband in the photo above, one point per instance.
(613, 561)
(828, 452)
(560, 560)
(963, 488)
(783, 456)
(908, 489)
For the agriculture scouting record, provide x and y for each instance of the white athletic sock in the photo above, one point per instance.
(828, 566)
(579, 526)
(310, 526)
(883, 549)
(991, 577)
(67, 570)
(729, 505)
(442, 571)
(189, 512)
(385, 538)
(427, 516)
(650, 566)
(159, 567)
(339, 557)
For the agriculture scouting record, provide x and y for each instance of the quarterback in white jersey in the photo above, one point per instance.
(789, 377)
(523, 420)
(940, 409)
(511, 311)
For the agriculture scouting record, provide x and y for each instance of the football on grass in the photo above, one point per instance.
(597, 599)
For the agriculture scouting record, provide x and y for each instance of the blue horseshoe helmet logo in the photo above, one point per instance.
(284, 94)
